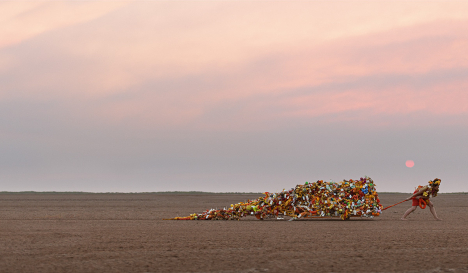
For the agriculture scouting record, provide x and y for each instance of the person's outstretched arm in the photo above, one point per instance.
(420, 192)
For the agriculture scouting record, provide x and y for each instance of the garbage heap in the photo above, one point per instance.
(348, 198)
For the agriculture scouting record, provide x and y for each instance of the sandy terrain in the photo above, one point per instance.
(126, 233)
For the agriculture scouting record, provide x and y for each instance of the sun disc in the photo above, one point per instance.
(409, 163)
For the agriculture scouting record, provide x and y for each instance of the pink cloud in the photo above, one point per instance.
(247, 69)
(23, 20)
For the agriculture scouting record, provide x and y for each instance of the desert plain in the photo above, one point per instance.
(78, 232)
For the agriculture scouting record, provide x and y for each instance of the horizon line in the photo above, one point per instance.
(170, 192)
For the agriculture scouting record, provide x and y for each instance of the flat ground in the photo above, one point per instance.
(126, 233)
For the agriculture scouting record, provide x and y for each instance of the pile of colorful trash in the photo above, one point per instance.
(349, 198)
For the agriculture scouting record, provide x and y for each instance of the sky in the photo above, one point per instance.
(232, 95)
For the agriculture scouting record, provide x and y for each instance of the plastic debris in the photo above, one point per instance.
(349, 198)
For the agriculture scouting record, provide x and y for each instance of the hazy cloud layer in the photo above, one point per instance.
(231, 96)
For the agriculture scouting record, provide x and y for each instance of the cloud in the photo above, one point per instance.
(24, 20)
(360, 78)
(122, 47)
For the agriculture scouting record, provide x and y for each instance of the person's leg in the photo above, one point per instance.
(432, 209)
(410, 210)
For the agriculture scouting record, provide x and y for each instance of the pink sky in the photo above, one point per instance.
(92, 81)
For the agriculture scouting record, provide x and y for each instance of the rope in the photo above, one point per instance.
(422, 203)
(394, 204)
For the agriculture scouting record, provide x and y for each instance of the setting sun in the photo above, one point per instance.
(409, 163)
